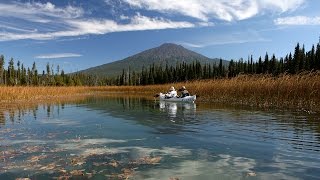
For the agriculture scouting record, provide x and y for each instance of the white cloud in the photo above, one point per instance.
(57, 56)
(78, 27)
(69, 22)
(45, 21)
(137, 22)
(123, 17)
(229, 38)
(205, 10)
(193, 45)
(38, 12)
(7, 27)
(282, 5)
(298, 20)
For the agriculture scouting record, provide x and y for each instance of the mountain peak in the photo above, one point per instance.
(169, 45)
(168, 51)
(166, 54)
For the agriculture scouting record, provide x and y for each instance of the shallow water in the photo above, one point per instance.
(134, 138)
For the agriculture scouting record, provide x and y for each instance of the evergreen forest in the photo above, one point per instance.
(16, 74)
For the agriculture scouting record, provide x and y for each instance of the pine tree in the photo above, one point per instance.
(297, 59)
(317, 57)
(266, 64)
(11, 73)
(251, 65)
(281, 66)
(291, 64)
(302, 58)
(312, 58)
(1, 69)
(34, 73)
(260, 66)
(17, 79)
(231, 69)
(221, 69)
(273, 65)
(23, 80)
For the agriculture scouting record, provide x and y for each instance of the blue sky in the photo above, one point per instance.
(79, 34)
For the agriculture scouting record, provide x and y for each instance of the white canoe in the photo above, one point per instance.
(176, 99)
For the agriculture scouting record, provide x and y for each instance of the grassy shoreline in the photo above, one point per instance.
(286, 91)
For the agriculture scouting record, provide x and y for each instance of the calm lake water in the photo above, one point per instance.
(135, 138)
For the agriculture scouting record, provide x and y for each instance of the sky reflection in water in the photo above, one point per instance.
(135, 138)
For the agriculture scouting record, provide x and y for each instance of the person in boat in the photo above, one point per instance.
(172, 93)
(184, 92)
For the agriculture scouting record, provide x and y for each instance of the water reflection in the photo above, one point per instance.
(186, 140)
(171, 108)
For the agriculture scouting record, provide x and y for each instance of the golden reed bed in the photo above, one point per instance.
(286, 91)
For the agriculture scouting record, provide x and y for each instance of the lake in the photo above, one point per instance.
(136, 138)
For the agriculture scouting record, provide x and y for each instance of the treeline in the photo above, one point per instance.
(19, 75)
(161, 75)
(302, 60)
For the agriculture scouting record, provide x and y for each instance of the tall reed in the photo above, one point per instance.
(286, 91)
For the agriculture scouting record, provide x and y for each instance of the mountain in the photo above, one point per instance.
(167, 53)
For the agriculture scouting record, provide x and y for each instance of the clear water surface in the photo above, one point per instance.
(135, 138)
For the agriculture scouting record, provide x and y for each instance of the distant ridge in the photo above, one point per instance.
(167, 53)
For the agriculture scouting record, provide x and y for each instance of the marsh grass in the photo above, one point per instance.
(300, 91)
(292, 91)
(25, 94)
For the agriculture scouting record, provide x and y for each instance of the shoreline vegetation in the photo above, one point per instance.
(300, 91)
(292, 82)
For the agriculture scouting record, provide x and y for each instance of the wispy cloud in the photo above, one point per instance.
(227, 10)
(46, 21)
(70, 22)
(57, 56)
(298, 20)
(137, 22)
(231, 41)
(232, 38)
(12, 28)
(79, 27)
(38, 12)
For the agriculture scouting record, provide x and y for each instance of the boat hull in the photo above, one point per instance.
(175, 99)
